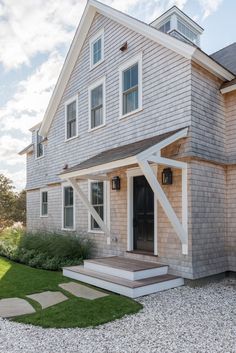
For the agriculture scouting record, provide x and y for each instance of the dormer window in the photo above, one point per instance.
(71, 118)
(39, 145)
(183, 29)
(165, 28)
(97, 49)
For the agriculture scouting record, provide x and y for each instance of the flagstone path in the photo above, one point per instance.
(11, 307)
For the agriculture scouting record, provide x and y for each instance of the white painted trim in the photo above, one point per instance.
(99, 230)
(36, 146)
(131, 173)
(124, 66)
(97, 36)
(41, 192)
(167, 161)
(101, 81)
(228, 89)
(63, 186)
(100, 168)
(69, 101)
(88, 205)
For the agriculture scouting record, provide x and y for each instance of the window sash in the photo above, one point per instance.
(44, 203)
(68, 206)
(130, 89)
(97, 199)
(96, 112)
(97, 51)
(39, 145)
(71, 119)
(130, 100)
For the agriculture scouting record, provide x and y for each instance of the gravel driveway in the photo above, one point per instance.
(200, 320)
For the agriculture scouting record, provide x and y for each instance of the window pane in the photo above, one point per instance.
(71, 129)
(97, 117)
(68, 217)
(71, 119)
(68, 196)
(130, 77)
(39, 145)
(96, 96)
(44, 209)
(97, 200)
(100, 211)
(44, 196)
(97, 51)
(130, 101)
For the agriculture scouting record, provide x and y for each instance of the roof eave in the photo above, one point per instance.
(228, 89)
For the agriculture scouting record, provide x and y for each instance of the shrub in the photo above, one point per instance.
(49, 251)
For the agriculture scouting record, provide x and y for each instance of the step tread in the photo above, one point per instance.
(126, 264)
(121, 281)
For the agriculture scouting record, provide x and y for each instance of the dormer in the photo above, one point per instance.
(176, 23)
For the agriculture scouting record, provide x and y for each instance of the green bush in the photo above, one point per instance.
(49, 251)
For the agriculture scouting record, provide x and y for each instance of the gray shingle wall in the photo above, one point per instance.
(166, 101)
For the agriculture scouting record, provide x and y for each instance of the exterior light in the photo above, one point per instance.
(167, 176)
(116, 183)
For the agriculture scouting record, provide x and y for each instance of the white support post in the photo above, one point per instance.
(161, 197)
(89, 207)
(185, 207)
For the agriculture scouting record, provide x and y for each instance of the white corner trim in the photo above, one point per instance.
(124, 66)
(228, 89)
(71, 100)
(97, 36)
(100, 81)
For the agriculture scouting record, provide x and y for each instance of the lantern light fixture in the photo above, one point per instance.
(167, 177)
(116, 183)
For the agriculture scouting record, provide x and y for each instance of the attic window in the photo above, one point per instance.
(183, 29)
(39, 145)
(97, 49)
(165, 27)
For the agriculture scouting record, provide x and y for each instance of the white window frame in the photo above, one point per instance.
(97, 36)
(69, 101)
(101, 81)
(36, 146)
(106, 205)
(41, 203)
(135, 59)
(65, 185)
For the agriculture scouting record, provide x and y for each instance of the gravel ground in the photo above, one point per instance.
(189, 320)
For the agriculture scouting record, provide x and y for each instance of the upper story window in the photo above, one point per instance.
(71, 118)
(39, 145)
(165, 27)
(97, 104)
(44, 204)
(97, 49)
(131, 86)
(187, 31)
(68, 208)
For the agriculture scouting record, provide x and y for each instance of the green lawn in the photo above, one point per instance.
(18, 280)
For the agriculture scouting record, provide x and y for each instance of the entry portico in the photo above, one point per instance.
(140, 159)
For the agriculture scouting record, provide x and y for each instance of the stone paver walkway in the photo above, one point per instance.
(81, 291)
(47, 299)
(15, 307)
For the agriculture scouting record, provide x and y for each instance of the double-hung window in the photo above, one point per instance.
(39, 145)
(97, 49)
(44, 204)
(97, 199)
(131, 86)
(97, 104)
(71, 118)
(68, 207)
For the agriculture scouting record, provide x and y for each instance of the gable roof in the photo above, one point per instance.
(227, 57)
(138, 26)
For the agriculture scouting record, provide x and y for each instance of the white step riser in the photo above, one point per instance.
(128, 292)
(153, 272)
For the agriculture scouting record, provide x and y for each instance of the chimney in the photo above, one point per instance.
(176, 23)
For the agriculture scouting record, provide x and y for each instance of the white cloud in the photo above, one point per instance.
(30, 27)
(18, 177)
(30, 100)
(209, 6)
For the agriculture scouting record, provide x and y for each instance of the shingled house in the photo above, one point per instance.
(137, 151)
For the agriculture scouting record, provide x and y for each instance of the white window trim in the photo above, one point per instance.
(106, 206)
(41, 192)
(135, 59)
(101, 81)
(98, 35)
(36, 145)
(63, 186)
(72, 99)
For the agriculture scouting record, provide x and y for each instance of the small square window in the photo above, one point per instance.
(97, 49)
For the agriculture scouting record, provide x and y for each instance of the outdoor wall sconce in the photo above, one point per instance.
(167, 176)
(124, 47)
(115, 183)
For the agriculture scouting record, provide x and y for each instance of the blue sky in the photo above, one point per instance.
(34, 39)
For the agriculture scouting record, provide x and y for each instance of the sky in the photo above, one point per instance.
(34, 39)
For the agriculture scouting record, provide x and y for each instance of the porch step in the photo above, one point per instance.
(129, 288)
(126, 268)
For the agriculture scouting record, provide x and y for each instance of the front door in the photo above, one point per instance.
(143, 215)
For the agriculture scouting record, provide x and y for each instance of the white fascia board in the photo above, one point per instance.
(228, 89)
(68, 66)
(205, 61)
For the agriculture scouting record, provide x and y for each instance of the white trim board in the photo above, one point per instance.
(93, 7)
